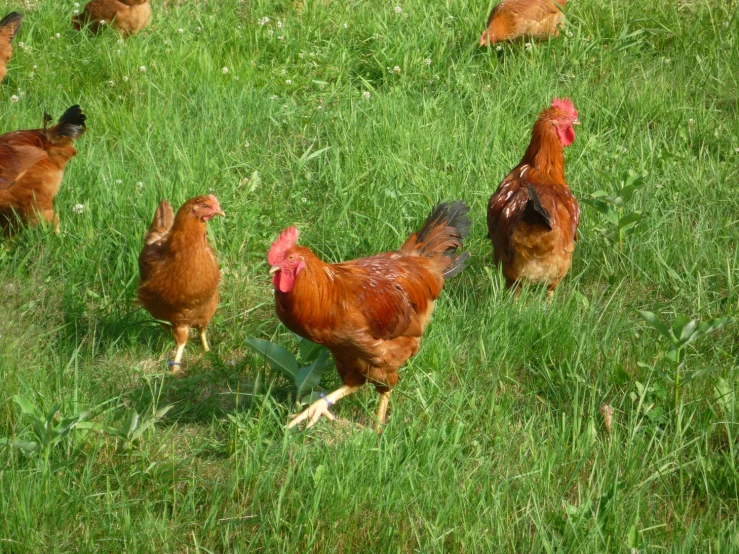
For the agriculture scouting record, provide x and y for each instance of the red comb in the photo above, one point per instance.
(565, 105)
(284, 242)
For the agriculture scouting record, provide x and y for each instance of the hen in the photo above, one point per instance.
(371, 312)
(178, 270)
(9, 27)
(32, 167)
(127, 17)
(512, 19)
(533, 216)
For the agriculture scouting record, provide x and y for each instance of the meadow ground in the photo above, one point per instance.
(351, 120)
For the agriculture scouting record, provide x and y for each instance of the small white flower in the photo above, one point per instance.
(398, 9)
(14, 98)
(21, 45)
(366, 95)
(273, 97)
(198, 29)
(224, 70)
(288, 81)
(34, 67)
(270, 32)
(279, 24)
(283, 71)
(76, 4)
(246, 144)
(623, 149)
(301, 55)
(396, 69)
(736, 150)
(263, 21)
(691, 121)
(103, 22)
(346, 25)
(570, 34)
(76, 12)
(58, 35)
(238, 27)
(281, 37)
(667, 60)
(78, 208)
(118, 181)
(427, 61)
(111, 83)
(142, 69)
(303, 200)
(528, 46)
(498, 47)
(120, 41)
(180, 30)
(236, 77)
(125, 78)
(140, 185)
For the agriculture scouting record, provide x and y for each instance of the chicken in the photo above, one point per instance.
(9, 27)
(533, 216)
(32, 167)
(178, 270)
(127, 17)
(512, 19)
(371, 312)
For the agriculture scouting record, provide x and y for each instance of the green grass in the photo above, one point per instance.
(494, 442)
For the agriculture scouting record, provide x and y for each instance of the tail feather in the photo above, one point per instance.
(535, 212)
(11, 24)
(161, 224)
(71, 125)
(441, 237)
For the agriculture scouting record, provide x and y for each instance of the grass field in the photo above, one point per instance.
(495, 442)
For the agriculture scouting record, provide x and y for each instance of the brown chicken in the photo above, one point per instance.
(127, 17)
(178, 270)
(9, 27)
(371, 312)
(512, 19)
(533, 216)
(31, 169)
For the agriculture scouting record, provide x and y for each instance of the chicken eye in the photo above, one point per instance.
(291, 257)
(205, 206)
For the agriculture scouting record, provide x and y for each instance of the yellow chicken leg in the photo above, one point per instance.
(204, 340)
(382, 410)
(180, 337)
(321, 407)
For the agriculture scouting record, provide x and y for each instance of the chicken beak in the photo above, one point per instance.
(274, 269)
(220, 212)
(576, 122)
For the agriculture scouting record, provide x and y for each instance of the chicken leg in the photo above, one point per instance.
(321, 407)
(180, 337)
(204, 340)
(382, 410)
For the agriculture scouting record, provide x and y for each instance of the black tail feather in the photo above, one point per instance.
(71, 124)
(535, 212)
(13, 18)
(451, 216)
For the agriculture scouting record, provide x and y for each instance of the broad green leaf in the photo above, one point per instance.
(679, 326)
(26, 406)
(709, 327)
(309, 350)
(279, 359)
(23, 445)
(309, 377)
(132, 423)
(629, 219)
(654, 322)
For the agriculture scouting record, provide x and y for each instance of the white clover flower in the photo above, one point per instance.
(366, 95)
(14, 98)
(667, 60)
(569, 34)
(21, 45)
(142, 69)
(279, 24)
(288, 81)
(346, 25)
(528, 46)
(301, 55)
(58, 35)
(247, 144)
(180, 30)
(303, 200)
(75, 12)
(270, 32)
(198, 29)
(103, 22)
(736, 150)
(224, 70)
(281, 37)
(78, 208)
(498, 47)
(427, 61)
(140, 185)
(263, 21)
(118, 181)
(76, 4)
(125, 78)
(111, 83)
(691, 121)
(398, 9)
(396, 69)
(34, 67)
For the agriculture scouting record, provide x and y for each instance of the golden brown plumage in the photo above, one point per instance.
(9, 27)
(512, 19)
(371, 312)
(127, 17)
(533, 216)
(178, 270)
(31, 169)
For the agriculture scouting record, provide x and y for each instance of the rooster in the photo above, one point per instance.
(127, 17)
(178, 270)
(533, 216)
(371, 312)
(9, 27)
(32, 167)
(512, 19)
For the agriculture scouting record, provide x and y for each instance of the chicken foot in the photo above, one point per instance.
(180, 337)
(321, 407)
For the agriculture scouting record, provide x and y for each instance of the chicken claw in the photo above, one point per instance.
(314, 412)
